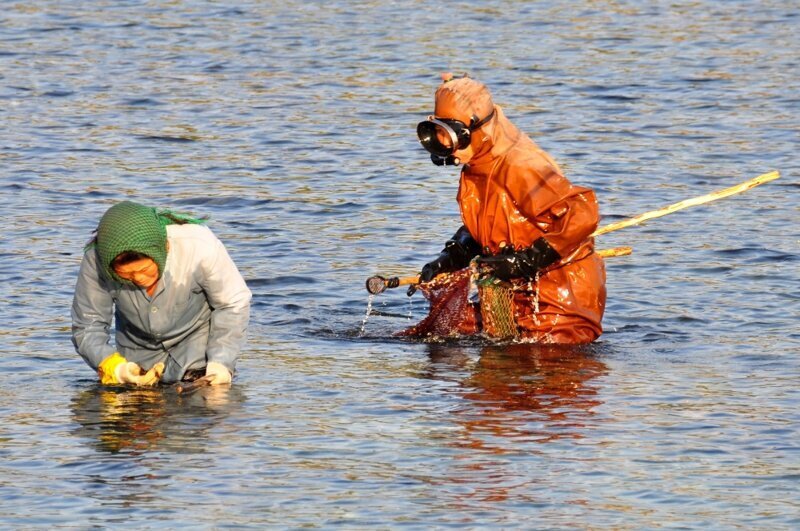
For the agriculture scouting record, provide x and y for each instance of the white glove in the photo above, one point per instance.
(220, 373)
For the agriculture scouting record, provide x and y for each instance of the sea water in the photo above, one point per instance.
(269, 117)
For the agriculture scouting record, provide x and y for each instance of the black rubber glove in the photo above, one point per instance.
(521, 264)
(457, 253)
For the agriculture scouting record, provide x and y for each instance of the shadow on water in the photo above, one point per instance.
(136, 421)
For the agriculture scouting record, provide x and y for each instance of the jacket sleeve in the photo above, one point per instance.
(229, 298)
(564, 214)
(568, 223)
(92, 313)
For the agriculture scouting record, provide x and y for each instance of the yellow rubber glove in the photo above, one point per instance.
(115, 369)
(220, 373)
(131, 373)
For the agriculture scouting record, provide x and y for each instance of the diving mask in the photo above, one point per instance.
(442, 137)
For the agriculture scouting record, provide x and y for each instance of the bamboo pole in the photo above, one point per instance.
(641, 218)
(615, 251)
(378, 284)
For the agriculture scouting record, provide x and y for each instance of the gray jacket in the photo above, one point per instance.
(198, 313)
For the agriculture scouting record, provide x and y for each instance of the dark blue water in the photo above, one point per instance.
(292, 125)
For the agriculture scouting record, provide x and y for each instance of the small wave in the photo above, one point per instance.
(282, 281)
(58, 93)
(615, 97)
(166, 138)
(218, 201)
(142, 102)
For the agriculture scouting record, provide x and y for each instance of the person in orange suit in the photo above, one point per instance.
(524, 223)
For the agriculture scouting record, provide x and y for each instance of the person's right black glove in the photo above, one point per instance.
(457, 253)
(521, 264)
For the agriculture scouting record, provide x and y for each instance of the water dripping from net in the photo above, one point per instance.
(533, 289)
(366, 315)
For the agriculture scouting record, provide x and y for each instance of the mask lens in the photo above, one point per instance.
(444, 138)
(439, 137)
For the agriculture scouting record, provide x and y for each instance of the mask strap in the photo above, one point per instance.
(473, 126)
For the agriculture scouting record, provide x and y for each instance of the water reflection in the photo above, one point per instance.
(136, 421)
(524, 392)
(515, 403)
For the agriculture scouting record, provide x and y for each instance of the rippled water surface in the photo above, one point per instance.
(292, 125)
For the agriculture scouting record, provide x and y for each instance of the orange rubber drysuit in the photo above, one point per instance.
(512, 193)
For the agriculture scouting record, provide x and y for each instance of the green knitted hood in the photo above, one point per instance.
(131, 227)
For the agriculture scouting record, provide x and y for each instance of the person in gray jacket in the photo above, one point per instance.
(179, 304)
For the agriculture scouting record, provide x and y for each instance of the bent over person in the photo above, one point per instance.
(179, 304)
(526, 233)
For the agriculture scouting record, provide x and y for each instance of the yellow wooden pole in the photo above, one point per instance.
(615, 251)
(641, 218)
(379, 284)
(636, 220)
(605, 253)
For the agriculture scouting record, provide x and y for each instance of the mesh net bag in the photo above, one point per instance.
(451, 312)
(497, 308)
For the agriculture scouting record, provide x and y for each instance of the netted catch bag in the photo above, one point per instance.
(497, 308)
